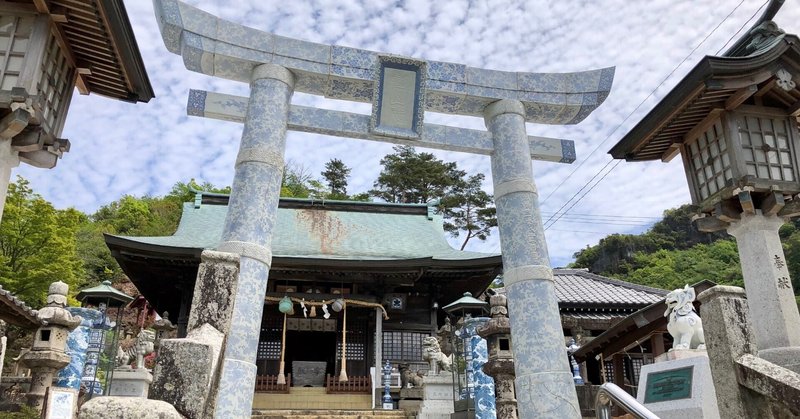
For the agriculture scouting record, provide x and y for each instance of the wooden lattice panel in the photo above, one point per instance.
(15, 33)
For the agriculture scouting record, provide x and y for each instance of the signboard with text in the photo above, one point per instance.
(399, 102)
(669, 385)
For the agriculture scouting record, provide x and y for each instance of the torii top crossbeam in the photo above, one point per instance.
(217, 47)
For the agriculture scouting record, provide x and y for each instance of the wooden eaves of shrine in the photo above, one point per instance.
(646, 327)
(15, 311)
(98, 42)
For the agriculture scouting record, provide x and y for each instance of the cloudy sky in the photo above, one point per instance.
(120, 148)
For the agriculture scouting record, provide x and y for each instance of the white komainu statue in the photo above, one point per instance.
(432, 353)
(684, 324)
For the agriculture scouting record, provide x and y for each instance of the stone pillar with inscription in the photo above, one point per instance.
(769, 289)
(248, 230)
(541, 367)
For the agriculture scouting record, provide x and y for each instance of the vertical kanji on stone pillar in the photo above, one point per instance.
(248, 230)
(769, 288)
(542, 369)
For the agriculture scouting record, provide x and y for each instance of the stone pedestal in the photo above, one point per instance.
(184, 372)
(8, 160)
(729, 335)
(411, 400)
(127, 408)
(769, 289)
(437, 401)
(679, 387)
(130, 382)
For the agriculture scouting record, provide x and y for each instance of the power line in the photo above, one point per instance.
(586, 193)
(654, 217)
(621, 124)
(742, 27)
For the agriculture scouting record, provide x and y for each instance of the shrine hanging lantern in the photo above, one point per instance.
(750, 149)
(733, 120)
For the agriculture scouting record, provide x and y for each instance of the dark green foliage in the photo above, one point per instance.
(25, 412)
(673, 253)
(671, 269)
(416, 178)
(409, 177)
(469, 209)
(615, 254)
(335, 174)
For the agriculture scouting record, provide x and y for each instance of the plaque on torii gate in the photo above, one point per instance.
(401, 89)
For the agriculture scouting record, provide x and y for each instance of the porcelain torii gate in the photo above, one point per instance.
(401, 90)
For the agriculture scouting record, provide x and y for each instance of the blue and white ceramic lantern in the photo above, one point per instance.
(77, 347)
(480, 384)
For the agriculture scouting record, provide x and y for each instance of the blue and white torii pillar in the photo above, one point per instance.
(401, 90)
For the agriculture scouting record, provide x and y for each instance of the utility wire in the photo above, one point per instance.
(742, 27)
(621, 124)
(612, 216)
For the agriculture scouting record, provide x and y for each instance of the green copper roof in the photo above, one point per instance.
(466, 302)
(103, 293)
(328, 230)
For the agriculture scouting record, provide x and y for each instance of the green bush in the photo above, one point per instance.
(25, 412)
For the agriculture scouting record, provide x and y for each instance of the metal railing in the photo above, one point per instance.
(610, 392)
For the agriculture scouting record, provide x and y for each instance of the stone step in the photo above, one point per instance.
(328, 414)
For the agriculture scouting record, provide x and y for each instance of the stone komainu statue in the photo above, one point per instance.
(684, 324)
(432, 353)
(144, 345)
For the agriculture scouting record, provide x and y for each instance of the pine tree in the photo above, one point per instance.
(336, 174)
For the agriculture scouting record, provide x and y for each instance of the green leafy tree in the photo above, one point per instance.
(470, 209)
(410, 177)
(298, 182)
(38, 245)
(133, 216)
(415, 178)
(336, 174)
(670, 269)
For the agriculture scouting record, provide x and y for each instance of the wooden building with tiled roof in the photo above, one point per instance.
(15, 311)
(592, 304)
(49, 49)
(375, 255)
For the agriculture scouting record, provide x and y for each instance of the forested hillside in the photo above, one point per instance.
(673, 253)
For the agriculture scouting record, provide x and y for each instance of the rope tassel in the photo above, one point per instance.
(343, 372)
(281, 375)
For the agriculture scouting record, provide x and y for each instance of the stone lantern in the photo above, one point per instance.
(48, 353)
(500, 365)
(734, 121)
